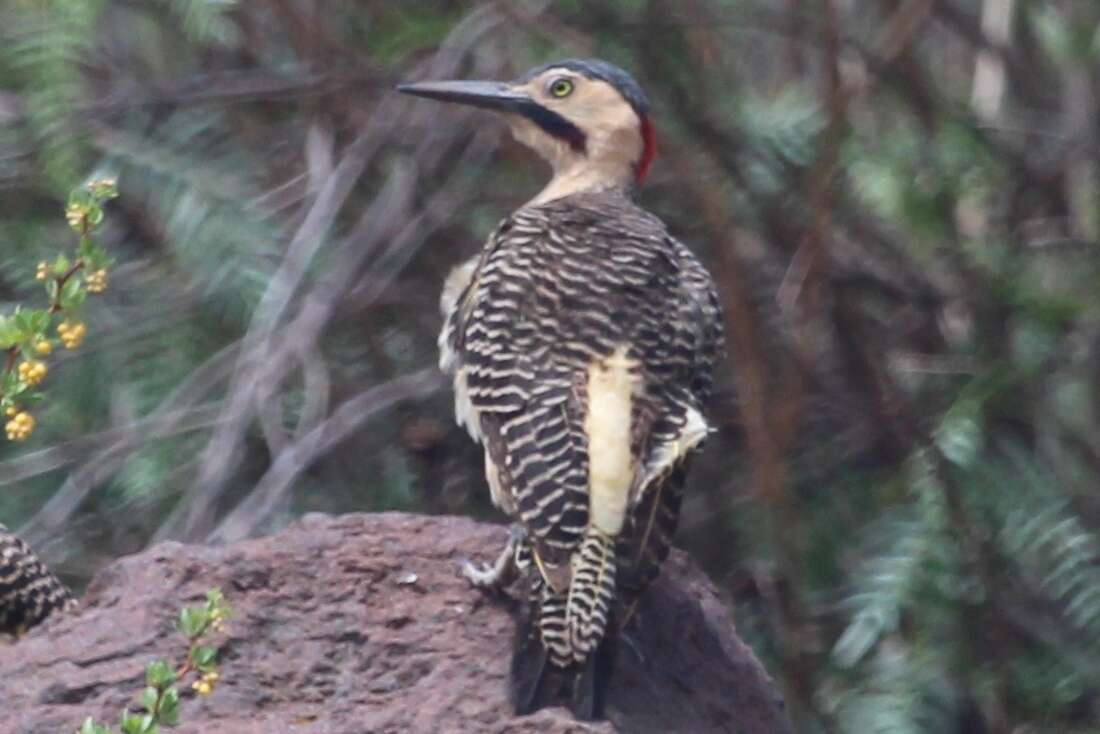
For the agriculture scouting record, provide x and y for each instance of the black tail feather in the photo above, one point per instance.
(535, 682)
(591, 681)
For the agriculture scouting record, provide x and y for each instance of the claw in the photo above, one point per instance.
(503, 570)
(481, 575)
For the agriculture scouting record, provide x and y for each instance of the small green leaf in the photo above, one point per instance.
(39, 320)
(80, 196)
(159, 674)
(149, 698)
(93, 255)
(9, 332)
(73, 294)
(192, 622)
(27, 321)
(91, 727)
(214, 597)
(132, 723)
(204, 657)
(169, 713)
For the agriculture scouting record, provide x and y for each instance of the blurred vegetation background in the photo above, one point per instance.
(900, 200)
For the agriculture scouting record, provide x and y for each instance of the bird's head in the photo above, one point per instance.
(588, 118)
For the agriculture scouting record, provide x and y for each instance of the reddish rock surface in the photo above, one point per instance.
(359, 624)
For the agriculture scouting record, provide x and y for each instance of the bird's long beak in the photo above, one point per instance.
(488, 95)
(500, 97)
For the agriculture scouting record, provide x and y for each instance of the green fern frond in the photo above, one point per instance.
(880, 713)
(1060, 555)
(50, 43)
(905, 690)
(195, 182)
(885, 585)
(909, 552)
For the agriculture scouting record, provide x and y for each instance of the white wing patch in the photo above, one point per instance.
(665, 455)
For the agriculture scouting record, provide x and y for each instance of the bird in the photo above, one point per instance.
(582, 341)
(29, 590)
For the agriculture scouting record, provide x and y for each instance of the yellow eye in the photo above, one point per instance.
(561, 87)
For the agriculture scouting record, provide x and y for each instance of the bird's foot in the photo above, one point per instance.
(482, 575)
(501, 572)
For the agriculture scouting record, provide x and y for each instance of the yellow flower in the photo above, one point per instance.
(104, 188)
(11, 411)
(42, 271)
(75, 215)
(33, 372)
(20, 426)
(97, 281)
(72, 334)
(202, 687)
(43, 346)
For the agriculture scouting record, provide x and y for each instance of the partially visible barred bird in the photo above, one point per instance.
(582, 341)
(29, 592)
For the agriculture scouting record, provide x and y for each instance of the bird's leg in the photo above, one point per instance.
(503, 571)
(632, 618)
(628, 617)
(635, 647)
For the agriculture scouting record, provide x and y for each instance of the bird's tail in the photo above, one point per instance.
(567, 641)
(591, 593)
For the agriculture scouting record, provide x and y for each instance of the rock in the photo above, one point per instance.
(361, 623)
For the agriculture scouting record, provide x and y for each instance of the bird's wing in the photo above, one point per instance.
(676, 431)
(512, 391)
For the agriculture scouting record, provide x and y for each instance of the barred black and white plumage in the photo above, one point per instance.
(29, 591)
(561, 287)
(582, 341)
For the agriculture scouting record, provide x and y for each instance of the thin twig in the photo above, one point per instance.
(273, 487)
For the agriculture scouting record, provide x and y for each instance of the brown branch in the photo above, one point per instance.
(55, 305)
(9, 363)
(273, 487)
(262, 359)
(903, 27)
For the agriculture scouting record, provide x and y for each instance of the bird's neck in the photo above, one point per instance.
(574, 180)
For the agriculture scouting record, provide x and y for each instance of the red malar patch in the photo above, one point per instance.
(649, 150)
